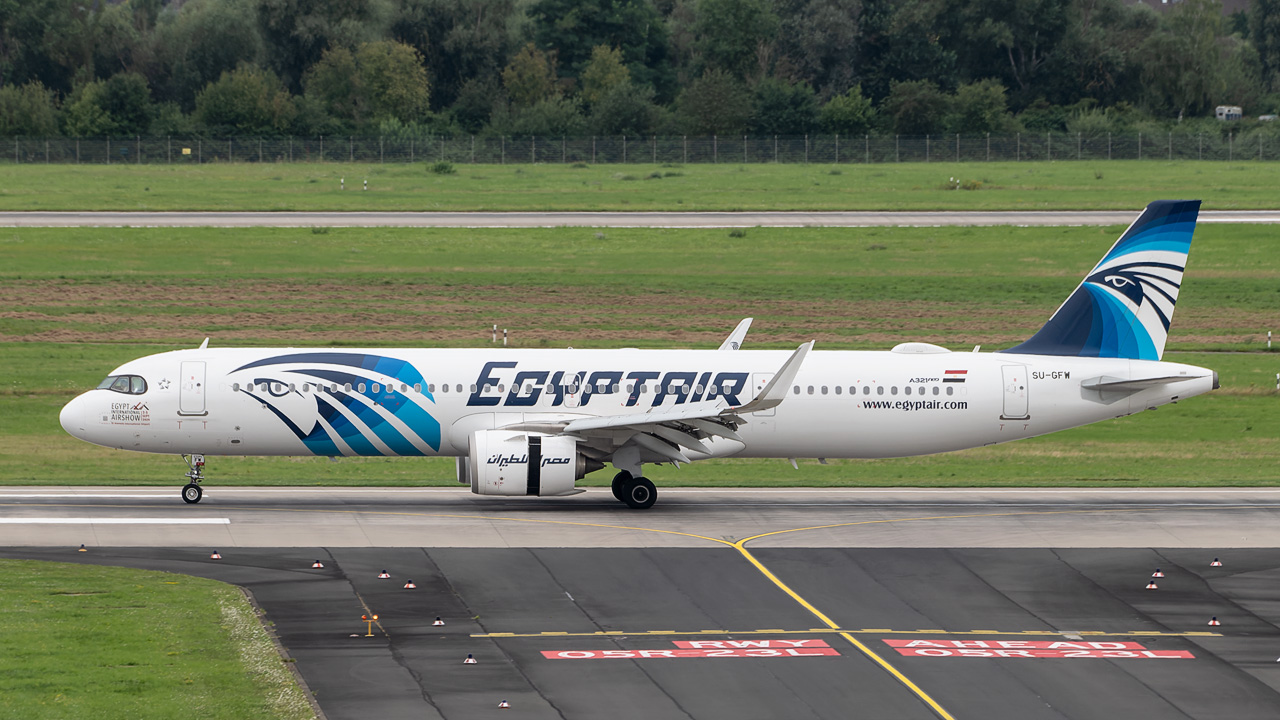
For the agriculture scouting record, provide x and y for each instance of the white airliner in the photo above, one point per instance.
(533, 422)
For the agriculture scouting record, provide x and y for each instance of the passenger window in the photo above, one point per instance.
(810, 389)
(459, 387)
(235, 387)
(935, 389)
(797, 390)
(893, 390)
(360, 387)
(137, 385)
(346, 387)
(879, 389)
(473, 387)
(837, 389)
(950, 390)
(866, 389)
(616, 387)
(824, 389)
(417, 387)
(907, 389)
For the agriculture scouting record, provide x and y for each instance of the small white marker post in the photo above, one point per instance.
(1268, 339)
(342, 183)
(504, 337)
(495, 333)
(1278, 381)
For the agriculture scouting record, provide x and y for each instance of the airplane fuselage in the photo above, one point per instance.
(915, 400)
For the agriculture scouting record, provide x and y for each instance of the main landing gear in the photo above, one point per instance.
(191, 492)
(637, 492)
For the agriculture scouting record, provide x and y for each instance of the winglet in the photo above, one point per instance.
(773, 393)
(734, 341)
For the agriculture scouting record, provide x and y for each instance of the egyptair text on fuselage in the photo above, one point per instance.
(528, 386)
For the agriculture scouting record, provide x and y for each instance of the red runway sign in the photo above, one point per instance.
(772, 648)
(1054, 649)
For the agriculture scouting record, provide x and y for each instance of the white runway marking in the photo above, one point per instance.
(114, 496)
(114, 521)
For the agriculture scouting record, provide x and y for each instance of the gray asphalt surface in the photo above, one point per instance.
(514, 579)
(410, 669)
(603, 219)
(454, 517)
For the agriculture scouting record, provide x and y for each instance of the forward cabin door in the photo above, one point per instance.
(191, 392)
(1016, 404)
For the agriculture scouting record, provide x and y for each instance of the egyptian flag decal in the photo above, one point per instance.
(954, 376)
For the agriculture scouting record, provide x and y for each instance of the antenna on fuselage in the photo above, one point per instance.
(204, 345)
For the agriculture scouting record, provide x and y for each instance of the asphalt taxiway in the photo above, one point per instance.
(606, 219)
(727, 604)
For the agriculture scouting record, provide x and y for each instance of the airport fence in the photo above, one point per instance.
(1260, 145)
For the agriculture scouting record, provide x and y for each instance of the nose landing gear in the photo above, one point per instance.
(191, 492)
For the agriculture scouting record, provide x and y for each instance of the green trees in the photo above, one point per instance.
(1264, 24)
(624, 66)
(735, 36)
(379, 81)
(120, 105)
(573, 28)
(847, 114)
(247, 101)
(28, 110)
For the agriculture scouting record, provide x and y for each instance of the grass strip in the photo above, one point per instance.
(80, 641)
(1040, 185)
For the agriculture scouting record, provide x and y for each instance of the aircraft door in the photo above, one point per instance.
(1016, 404)
(758, 382)
(191, 391)
(573, 388)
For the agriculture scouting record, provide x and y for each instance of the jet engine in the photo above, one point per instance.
(502, 462)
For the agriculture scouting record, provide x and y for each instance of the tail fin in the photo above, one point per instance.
(1125, 304)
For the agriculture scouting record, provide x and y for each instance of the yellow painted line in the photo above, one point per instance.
(839, 631)
(740, 546)
(919, 692)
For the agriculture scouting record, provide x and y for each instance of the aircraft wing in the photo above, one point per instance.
(734, 341)
(671, 431)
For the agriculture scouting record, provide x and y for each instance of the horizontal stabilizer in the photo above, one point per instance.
(1120, 385)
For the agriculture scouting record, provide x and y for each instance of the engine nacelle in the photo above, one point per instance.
(503, 462)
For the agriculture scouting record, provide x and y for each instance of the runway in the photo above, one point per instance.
(605, 219)
(728, 603)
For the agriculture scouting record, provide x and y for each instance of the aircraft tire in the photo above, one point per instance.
(640, 494)
(191, 493)
(619, 485)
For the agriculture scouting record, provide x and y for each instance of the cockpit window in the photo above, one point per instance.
(127, 384)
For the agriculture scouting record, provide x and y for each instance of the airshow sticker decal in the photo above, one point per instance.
(126, 413)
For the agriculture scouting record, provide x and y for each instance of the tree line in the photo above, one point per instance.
(418, 68)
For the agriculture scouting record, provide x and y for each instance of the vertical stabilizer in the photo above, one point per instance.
(1125, 304)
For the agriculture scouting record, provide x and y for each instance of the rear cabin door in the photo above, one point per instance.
(1016, 405)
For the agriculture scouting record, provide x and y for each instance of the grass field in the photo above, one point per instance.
(1118, 184)
(76, 303)
(99, 642)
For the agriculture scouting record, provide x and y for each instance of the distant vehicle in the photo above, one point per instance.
(1268, 118)
(1229, 112)
(533, 422)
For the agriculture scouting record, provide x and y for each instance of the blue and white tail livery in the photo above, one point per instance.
(1125, 304)
(534, 422)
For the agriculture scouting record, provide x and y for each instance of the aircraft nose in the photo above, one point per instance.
(72, 417)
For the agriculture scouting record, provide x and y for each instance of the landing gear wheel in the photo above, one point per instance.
(619, 485)
(639, 494)
(191, 493)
